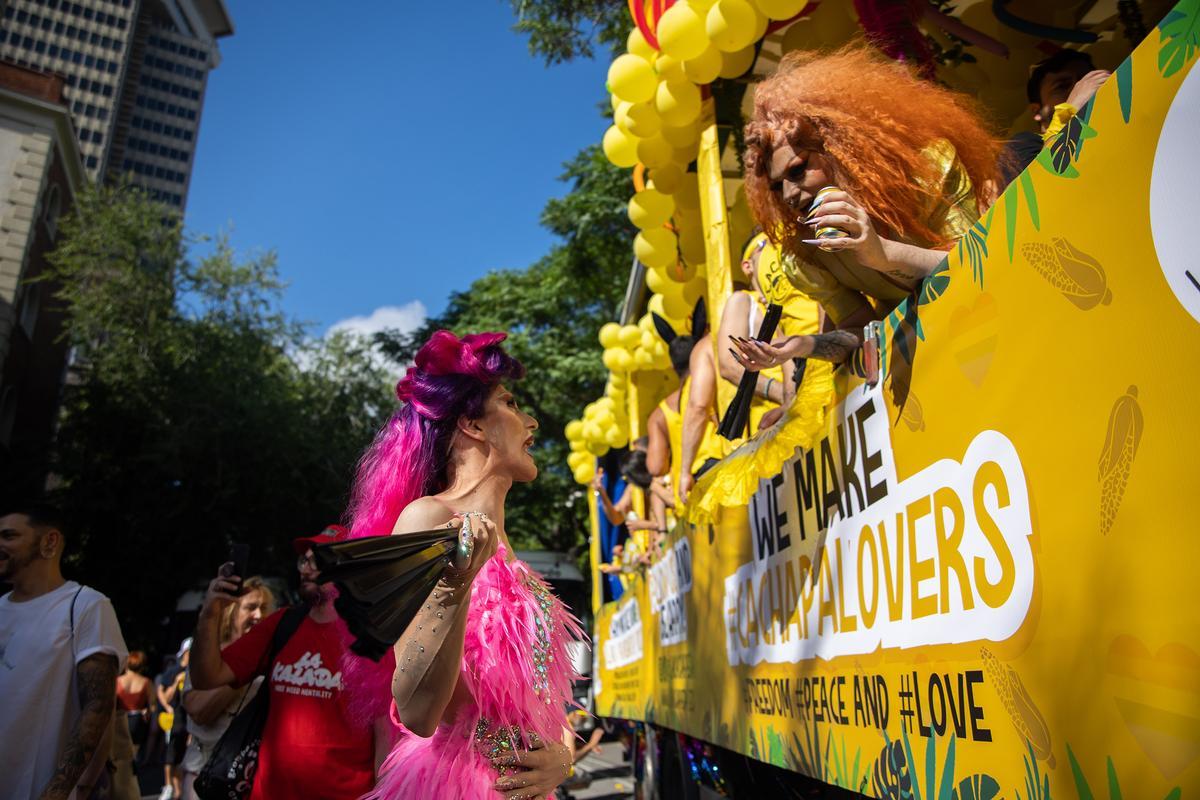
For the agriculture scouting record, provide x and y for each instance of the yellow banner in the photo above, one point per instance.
(980, 579)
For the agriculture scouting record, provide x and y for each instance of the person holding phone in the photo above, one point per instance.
(483, 673)
(209, 712)
(312, 746)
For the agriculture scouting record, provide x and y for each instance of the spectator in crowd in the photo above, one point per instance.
(135, 699)
(1058, 88)
(61, 650)
(311, 747)
(209, 712)
(173, 720)
(913, 165)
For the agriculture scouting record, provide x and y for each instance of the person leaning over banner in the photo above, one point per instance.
(912, 165)
(312, 747)
(60, 652)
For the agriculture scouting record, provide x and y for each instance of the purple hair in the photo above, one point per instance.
(450, 378)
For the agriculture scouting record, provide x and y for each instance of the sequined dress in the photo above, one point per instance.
(516, 664)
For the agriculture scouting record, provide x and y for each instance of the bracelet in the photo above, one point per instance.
(767, 388)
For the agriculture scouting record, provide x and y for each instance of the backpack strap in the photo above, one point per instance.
(288, 625)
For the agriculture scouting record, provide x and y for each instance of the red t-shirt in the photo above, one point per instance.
(309, 747)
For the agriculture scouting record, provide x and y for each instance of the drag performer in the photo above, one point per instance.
(482, 673)
(912, 166)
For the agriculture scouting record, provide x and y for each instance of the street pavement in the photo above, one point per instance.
(613, 774)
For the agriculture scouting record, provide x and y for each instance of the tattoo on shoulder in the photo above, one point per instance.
(835, 346)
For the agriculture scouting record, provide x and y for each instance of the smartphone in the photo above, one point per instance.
(239, 554)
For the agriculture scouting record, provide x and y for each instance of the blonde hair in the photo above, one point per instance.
(254, 583)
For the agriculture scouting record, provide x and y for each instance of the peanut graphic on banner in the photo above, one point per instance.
(1073, 272)
(1026, 717)
(1116, 459)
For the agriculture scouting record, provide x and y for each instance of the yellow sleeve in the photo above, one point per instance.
(1058, 120)
(955, 210)
(838, 301)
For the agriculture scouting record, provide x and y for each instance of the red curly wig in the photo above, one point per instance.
(872, 117)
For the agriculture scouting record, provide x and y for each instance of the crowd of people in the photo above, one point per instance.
(861, 176)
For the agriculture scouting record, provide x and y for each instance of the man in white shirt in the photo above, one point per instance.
(61, 650)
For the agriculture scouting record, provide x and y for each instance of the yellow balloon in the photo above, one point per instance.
(642, 359)
(760, 23)
(606, 419)
(648, 340)
(574, 429)
(705, 67)
(668, 68)
(655, 248)
(676, 306)
(640, 119)
(737, 63)
(681, 272)
(575, 459)
(692, 291)
(596, 448)
(780, 9)
(650, 208)
(631, 78)
(684, 155)
(655, 152)
(624, 360)
(687, 197)
(731, 24)
(646, 323)
(691, 245)
(680, 32)
(618, 380)
(619, 147)
(677, 102)
(630, 336)
(615, 437)
(610, 359)
(656, 281)
(667, 178)
(637, 45)
(585, 472)
(700, 5)
(592, 432)
(610, 333)
(685, 136)
(577, 445)
(655, 305)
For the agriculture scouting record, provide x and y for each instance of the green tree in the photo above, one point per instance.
(552, 311)
(198, 412)
(563, 30)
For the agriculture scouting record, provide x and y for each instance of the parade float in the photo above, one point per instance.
(972, 579)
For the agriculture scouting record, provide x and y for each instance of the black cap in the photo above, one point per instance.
(1053, 63)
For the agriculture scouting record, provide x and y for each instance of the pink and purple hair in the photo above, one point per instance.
(450, 378)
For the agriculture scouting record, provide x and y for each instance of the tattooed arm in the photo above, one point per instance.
(834, 345)
(96, 676)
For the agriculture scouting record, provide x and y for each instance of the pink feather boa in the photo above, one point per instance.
(498, 668)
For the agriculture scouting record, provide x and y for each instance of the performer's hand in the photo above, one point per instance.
(485, 539)
(222, 590)
(686, 482)
(598, 481)
(839, 210)
(770, 418)
(1087, 87)
(754, 355)
(543, 768)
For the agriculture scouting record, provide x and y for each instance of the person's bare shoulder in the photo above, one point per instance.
(422, 514)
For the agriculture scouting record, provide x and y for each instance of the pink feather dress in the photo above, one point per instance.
(517, 666)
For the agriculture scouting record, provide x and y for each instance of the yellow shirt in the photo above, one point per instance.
(843, 286)
(709, 447)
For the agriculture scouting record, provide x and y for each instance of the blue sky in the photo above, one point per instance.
(389, 155)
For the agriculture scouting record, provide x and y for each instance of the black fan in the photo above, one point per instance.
(382, 582)
(737, 416)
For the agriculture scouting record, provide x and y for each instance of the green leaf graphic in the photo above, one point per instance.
(1125, 87)
(1010, 217)
(1179, 33)
(1030, 193)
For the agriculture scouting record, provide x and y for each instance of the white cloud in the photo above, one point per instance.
(405, 318)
